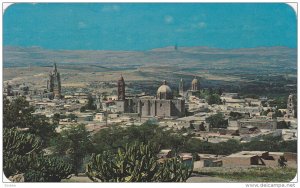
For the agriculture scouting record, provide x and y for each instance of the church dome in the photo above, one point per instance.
(164, 92)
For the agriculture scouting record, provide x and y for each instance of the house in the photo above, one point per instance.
(244, 159)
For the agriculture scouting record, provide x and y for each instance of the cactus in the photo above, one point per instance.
(174, 170)
(19, 149)
(136, 163)
(20, 143)
(22, 154)
(48, 169)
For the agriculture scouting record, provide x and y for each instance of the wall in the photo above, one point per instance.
(236, 161)
(163, 108)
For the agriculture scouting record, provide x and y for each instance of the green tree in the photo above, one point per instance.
(72, 116)
(213, 99)
(253, 96)
(74, 142)
(18, 114)
(83, 109)
(278, 113)
(235, 115)
(217, 121)
(25, 136)
(282, 125)
(90, 105)
(55, 118)
(279, 102)
(115, 136)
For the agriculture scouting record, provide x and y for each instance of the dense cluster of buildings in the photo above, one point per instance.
(184, 111)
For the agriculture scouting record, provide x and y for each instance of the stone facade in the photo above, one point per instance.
(152, 107)
(163, 105)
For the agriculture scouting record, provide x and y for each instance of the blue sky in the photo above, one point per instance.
(143, 26)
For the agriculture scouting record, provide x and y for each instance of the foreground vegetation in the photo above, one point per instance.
(35, 151)
(137, 163)
(255, 174)
(24, 139)
(32, 147)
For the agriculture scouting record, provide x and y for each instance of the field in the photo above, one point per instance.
(262, 71)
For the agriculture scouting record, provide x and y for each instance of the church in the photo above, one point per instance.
(161, 105)
(54, 83)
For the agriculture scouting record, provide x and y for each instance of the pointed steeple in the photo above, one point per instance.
(121, 88)
(54, 67)
(181, 92)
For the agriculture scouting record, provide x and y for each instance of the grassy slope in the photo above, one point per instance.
(255, 174)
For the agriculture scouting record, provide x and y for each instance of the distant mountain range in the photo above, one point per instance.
(184, 58)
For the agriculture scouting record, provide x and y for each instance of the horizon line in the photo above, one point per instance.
(164, 47)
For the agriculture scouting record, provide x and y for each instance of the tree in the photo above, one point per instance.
(72, 116)
(253, 96)
(136, 163)
(18, 114)
(74, 142)
(213, 99)
(115, 136)
(235, 115)
(217, 121)
(90, 105)
(282, 125)
(55, 118)
(24, 138)
(83, 109)
(279, 102)
(278, 113)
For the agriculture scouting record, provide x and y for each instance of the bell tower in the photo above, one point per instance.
(181, 91)
(121, 89)
(290, 106)
(195, 84)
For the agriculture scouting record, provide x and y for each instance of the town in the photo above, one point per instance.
(195, 112)
(150, 92)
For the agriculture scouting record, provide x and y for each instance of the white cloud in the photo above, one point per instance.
(169, 19)
(81, 25)
(110, 8)
(199, 25)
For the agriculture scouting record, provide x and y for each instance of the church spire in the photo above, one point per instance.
(54, 67)
(121, 88)
(181, 91)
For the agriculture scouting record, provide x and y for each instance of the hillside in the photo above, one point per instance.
(238, 69)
